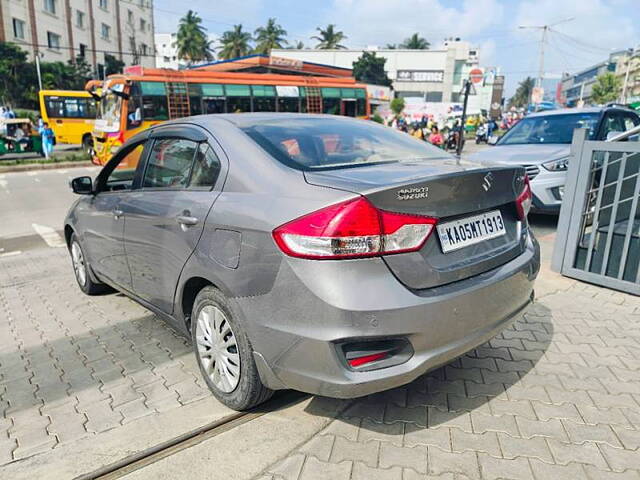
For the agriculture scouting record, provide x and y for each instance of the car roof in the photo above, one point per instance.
(577, 111)
(243, 120)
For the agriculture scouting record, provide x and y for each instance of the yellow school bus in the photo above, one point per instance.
(71, 114)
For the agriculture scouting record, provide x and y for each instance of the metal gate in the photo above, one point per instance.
(598, 237)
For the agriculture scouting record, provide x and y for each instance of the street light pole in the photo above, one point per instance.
(37, 55)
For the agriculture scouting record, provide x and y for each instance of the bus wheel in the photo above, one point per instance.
(87, 144)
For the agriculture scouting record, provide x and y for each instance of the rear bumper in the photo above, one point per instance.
(314, 306)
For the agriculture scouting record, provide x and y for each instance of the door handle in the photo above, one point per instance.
(186, 220)
(117, 213)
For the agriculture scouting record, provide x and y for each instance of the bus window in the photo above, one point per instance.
(331, 101)
(289, 104)
(154, 101)
(195, 98)
(238, 98)
(70, 107)
(264, 98)
(213, 98)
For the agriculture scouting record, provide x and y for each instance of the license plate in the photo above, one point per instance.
(471, 230)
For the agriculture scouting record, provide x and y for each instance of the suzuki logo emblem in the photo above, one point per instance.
(487, 181)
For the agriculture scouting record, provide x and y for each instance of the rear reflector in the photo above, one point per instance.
(523, 202)
(359, 361)
(352, 229)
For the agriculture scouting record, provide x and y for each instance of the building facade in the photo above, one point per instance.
(61, 30)
(628, 71)
(576, 89)
(435, 75)
(167, 52)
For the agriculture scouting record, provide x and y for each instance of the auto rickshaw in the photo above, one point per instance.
(12, 141)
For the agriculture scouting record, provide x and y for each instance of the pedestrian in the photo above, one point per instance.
(435, 138)
(48, 139)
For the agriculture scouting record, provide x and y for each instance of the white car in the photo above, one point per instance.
(541, 143)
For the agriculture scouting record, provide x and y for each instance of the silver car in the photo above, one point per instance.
(541, 143)
(324, 254)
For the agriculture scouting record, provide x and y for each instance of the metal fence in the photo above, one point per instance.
(598, 237)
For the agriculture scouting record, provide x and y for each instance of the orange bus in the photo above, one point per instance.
(134, 101)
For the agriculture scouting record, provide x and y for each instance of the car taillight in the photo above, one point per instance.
(523, 202)
(353, 229)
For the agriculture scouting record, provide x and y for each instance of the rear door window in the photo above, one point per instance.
(169, 164)
(206, 168)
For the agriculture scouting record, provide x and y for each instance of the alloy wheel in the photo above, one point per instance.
(79, 266)
(218, 349)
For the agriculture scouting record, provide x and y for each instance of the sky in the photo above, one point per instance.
(593, 30)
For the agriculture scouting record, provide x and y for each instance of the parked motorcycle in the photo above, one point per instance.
(482, 134)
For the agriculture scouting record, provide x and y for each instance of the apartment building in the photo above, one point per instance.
(61, 30)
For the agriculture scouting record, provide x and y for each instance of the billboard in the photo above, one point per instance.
(431, 76)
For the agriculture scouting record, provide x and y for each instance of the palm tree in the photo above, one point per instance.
(415, 42)
(329, 38)
(269, 37)
(391, 46)
(296, 46)
(234, 43)
(523, 93)
(191, 40)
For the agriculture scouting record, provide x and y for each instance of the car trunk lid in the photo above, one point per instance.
(450, 191)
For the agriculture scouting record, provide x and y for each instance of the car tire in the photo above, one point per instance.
(82, 270)
(220, 343)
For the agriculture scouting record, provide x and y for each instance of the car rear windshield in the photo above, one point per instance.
(332, 143)
(550, 128)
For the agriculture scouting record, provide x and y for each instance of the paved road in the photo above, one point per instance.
(40, 197)
(86, 381)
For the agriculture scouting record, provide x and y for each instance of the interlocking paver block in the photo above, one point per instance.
(546, 471)
(439, 418)
(485, 442)
(551, 428)
(579, 433)
(362, 472)
(619, 459)
(394, 413)
(492, 423)
(385, 432)
(314, 469)
(365, 452)
(442, 462)
(408, 457)
(319, 446)
(343, 427)
(517, 469)
(588, 453)
(597, 474)
(535, 447)
(416, 435)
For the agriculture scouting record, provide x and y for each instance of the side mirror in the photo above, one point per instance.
(493, 139)
(82, 185)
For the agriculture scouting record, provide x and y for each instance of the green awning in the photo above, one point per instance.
(213, 90)
(238, 90)
(263, 90)
(152, 88)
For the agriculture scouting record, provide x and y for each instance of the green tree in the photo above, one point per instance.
(269, 37)
(523, 93)
(397, 106)
(391, 46)
(234, 43)
(296, 46)
(191, 40)
(370, 69)
(112, 64)
(606, 89)
(17, 76)
(415, 42)
(329, 38)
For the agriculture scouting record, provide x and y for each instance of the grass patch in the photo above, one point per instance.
(67, 157)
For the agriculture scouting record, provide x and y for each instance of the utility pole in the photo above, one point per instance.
(545, 29)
